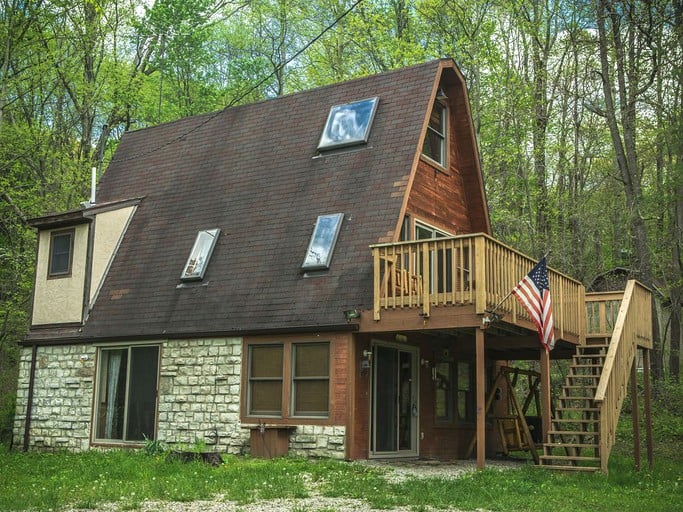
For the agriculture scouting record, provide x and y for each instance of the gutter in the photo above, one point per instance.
(29, 404)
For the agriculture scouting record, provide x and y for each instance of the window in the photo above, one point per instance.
(311, 379)
(196, 264)
(443, 382)
(440, 261)
(465, 395)
(61, 253)
(434, 146)
(348, 124)
(127, 393)
(300, 370)
(265, 380)
(323, 240)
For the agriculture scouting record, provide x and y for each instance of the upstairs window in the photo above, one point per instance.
(434, 146)
(196, 264)
(323, 240)
(61, 253)
(348, 124)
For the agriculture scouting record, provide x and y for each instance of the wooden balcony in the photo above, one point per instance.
(471, 271)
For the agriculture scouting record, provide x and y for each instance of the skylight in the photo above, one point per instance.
(199, 256)
(321, 246)
(348, 124)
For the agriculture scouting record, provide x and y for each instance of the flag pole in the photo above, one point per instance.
(492, 312)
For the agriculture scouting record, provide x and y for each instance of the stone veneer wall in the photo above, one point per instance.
(199, 394)
(62, 397)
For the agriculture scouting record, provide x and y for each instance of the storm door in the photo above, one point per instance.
(394, 401)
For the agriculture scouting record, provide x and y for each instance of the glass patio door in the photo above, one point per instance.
(394, 401)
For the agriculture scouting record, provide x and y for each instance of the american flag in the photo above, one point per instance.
(533, 293)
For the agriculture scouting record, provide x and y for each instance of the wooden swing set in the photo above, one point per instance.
(513, 428)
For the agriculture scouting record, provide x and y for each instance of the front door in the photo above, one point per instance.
(394, 401)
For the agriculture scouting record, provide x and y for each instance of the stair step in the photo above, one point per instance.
(576, 420)
(587, 446)
(557, 467)
(570, 458)
(573, 433)
(560, 408)
(583, 376)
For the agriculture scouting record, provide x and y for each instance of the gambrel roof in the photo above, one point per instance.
(255, 173)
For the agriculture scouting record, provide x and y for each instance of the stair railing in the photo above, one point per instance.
(630, 329)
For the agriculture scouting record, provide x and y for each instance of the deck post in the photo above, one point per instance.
(635, 414)
(648, 408)
(546, 412)
(481, 399)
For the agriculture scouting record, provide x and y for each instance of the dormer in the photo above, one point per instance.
(75, 251)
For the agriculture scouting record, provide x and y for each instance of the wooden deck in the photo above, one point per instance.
(474, 272)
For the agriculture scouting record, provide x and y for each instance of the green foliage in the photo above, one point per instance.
(87, 480)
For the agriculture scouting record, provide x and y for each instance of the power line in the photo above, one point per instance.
(246, 92)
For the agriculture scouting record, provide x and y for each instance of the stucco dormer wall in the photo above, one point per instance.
(59, 300)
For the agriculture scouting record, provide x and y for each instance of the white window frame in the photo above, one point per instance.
(441, 135)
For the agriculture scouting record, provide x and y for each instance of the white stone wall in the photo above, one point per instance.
(318, 441)
(62, 397)
(199, 394)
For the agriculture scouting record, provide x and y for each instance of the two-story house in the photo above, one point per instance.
(310, 272)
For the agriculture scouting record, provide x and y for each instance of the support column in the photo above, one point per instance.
(546, 410)
(648, 408)
(635, 414)
(481, 399)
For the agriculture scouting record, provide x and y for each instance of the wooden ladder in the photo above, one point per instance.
(574, 439)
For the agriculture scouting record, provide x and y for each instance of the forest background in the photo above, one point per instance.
(577, 107)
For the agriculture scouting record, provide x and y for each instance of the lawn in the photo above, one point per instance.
(44, 481)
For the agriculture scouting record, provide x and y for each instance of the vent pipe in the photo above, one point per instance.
(93, 185)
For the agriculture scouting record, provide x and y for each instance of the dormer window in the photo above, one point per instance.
(323, 240)
(196, 264)
(434, 146)
(61, 253)
(348, 124)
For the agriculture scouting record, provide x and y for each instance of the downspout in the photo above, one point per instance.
(29, 404)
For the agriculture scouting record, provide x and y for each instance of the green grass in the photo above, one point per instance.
(52, 481)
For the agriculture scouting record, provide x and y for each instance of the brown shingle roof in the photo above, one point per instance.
(252, 171)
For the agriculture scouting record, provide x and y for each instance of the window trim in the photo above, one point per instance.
(287, 415)
(101, 441)
(54, 234)
(443, 135)
(251, 379)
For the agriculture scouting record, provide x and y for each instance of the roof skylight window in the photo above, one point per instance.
(321, 246)
(199, 256)
(349, 124)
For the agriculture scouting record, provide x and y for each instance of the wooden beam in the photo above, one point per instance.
(634, 414)
(648, 408)
(546, 412)
(481, 399)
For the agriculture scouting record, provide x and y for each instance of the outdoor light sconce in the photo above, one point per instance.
(351, 314)
(441, 94)
(365, 362)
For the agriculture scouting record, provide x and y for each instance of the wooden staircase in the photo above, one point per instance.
(584, 426)
(574, 439)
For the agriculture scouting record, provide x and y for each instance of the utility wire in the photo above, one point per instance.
(245, 93)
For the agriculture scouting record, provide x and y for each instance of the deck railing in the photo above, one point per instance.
(471, 270)
(632, 328)
(602, 309)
